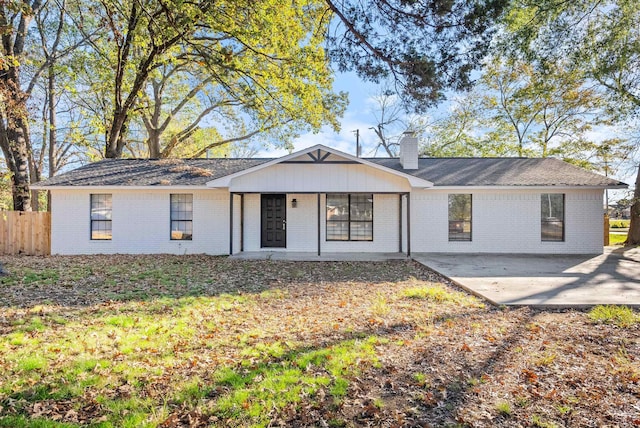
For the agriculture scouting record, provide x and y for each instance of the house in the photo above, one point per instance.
(321, 200)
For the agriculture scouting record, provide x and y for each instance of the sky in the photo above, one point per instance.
(357, 116)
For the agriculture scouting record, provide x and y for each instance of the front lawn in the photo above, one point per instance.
(617, 238)
(168, 341)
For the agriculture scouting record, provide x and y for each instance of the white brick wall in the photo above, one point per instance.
(302, 223)
(140, 223)
(504, 221)
(507, 221)
(252, 222)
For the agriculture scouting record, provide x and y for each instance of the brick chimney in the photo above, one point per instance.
(409, 151)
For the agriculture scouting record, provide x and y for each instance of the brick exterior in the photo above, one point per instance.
(507, 221)
(504, 220)
(140, 224)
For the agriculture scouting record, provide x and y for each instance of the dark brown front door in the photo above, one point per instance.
(274, 221)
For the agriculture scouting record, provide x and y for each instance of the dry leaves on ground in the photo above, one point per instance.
(198, 340)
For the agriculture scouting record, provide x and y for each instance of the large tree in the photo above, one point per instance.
(602, 38)
(183, 96)
(425, 46)
(36, 37)
(392, 121)
(546, 113)
(15, 20)
(264, 58)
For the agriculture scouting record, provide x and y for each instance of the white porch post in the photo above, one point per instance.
(399, 222)
(319, 225)
(408, 224)
(230, 223)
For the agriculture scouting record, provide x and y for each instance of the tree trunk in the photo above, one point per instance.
(19, 165)
(34, 166)
(14, 126)
(53, 144)
(115, 143)
(13, 138)
(153, 143)
(633, 237)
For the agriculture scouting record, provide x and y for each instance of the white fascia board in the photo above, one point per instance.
(112, 187)
(226, 180)
(563, 187)
(418, 183)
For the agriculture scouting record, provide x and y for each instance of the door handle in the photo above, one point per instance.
(284, 224)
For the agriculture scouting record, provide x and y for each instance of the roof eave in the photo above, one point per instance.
(121, 187)
(531, 187)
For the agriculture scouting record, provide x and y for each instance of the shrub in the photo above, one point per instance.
(619, 224)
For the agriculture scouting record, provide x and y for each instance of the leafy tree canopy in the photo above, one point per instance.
(426, 46)
(599, 37)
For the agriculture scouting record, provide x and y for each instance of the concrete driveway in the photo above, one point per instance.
(545, 280)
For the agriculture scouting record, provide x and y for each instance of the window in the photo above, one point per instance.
(552, 216)
(459, 217)
(101, 217)
(181, 217)
(350, 217)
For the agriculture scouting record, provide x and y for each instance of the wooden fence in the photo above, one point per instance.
(27, 233)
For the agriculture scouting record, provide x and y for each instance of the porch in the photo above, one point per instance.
(330, 226)
(314, 257)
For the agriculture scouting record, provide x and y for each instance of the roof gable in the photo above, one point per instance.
(321, 154)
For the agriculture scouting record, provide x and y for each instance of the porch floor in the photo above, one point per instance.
(314, 257)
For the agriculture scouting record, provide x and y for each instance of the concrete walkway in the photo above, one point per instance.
(314, 257)
(545, 280)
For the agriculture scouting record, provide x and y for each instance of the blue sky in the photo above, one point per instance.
(357, 116)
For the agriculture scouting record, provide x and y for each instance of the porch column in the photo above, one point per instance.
(241, 222)
(408, 224)
(231, 223)
(400, 222)
(319, 224)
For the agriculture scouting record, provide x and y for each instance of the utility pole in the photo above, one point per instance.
(357, 132)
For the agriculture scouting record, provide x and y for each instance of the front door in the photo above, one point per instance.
(274, 221)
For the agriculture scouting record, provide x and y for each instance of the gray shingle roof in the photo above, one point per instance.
(440, 171)
(500, 172)
(151, 172)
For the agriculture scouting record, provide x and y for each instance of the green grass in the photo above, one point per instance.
(257, 390)
(504, 408)
(380, 306)
(24, 422)
(435, 293)
(539, 422)
(617, 238)
(218, 353)
(31, 363)
(622, 316)
(46, 276)
(255, 343)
